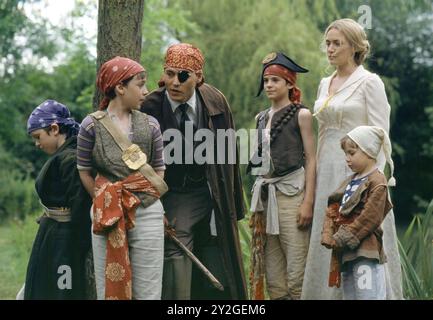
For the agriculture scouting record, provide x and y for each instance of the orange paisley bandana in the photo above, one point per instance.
(184, 56)
(113, 214)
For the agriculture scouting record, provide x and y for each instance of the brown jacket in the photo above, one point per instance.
(355, 230)
(224, 179)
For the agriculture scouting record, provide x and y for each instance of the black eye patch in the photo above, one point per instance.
(183, 76)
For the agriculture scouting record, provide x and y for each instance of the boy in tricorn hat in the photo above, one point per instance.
(281, 225)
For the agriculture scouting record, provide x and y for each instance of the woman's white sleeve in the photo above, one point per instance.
(378, 109)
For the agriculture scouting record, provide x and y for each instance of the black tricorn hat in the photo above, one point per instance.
(282, 60)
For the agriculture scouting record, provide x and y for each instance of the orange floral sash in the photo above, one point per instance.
(113, 214)
(257, 272)
(334, 279)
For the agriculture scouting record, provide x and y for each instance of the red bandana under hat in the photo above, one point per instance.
(290, 76)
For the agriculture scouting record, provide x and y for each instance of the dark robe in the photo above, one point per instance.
(224, 259)
(59, 246)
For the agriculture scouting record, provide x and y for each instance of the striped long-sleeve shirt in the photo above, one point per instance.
(86, 142)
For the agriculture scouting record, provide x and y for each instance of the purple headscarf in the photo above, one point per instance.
(49, 112)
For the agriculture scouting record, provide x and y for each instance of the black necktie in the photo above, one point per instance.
(183, 116)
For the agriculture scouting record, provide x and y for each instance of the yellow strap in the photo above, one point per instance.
(324, 106)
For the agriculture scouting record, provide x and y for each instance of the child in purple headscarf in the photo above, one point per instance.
(56, 268)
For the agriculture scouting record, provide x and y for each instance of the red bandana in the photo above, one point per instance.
(114, 72)
(290, 76)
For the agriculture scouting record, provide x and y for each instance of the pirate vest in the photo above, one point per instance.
(287, 150)
(107, 155)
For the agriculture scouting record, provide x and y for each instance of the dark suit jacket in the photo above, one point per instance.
(224, 179)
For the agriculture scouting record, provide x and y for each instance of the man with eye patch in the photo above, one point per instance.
(204, 201)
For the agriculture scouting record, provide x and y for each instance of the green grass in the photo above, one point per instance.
(16, 239)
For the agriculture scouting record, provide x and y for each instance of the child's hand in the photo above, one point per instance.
(305, 216)
(331, 244)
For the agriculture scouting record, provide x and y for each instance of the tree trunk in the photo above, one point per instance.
(119, 33)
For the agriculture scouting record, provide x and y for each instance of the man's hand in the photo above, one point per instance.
(168, 229)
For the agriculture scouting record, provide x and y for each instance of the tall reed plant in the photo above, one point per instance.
(416, 252)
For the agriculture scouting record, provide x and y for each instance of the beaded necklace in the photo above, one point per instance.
(277, 126)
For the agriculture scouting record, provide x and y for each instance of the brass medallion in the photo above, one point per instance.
(271, 56)
(134, 158)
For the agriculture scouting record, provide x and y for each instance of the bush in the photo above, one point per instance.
(17, 195)
(416, 251)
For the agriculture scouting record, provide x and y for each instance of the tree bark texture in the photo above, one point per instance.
(119, 33)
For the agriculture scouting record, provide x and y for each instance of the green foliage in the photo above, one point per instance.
(416, 251)
(21, 36)
(235, 36)
(17, 195)
(16, 240)
(11, 21)
(17, 191)
(427, 146)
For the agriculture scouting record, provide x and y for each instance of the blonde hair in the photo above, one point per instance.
(356, 36)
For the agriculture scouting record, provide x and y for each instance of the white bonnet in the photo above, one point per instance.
(371, 139)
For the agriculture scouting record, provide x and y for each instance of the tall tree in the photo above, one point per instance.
(119, 32)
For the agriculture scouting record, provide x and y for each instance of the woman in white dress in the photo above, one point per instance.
(350, 97)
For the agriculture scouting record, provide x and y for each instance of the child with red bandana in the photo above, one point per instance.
(128, 234)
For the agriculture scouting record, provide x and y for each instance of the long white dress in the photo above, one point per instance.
(361, 100)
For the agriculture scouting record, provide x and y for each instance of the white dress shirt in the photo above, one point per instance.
(191, 111)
